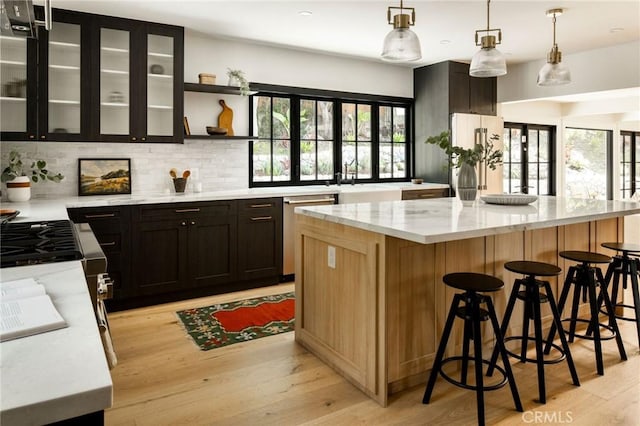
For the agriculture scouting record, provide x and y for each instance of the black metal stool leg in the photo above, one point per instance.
(528, 315)
(613, 323)
(537, 324)
(504, 356)
(477, 352)
(563, 339)
(563, 298)
(635, 265)
(437, 362)
(612, 273)
(593, 305)
(505, 323)
(575, 304)
(467, 336)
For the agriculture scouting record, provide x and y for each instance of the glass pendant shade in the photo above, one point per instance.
(488, 62)
(401, 45)
(554, 75)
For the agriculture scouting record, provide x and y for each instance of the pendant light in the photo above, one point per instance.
(401, 44)
(554, 73)
(488, 61)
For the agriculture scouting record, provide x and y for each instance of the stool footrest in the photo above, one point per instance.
(588, 336)
(458, 383)
(532, 339)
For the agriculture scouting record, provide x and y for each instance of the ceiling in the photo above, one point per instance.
(356, 28)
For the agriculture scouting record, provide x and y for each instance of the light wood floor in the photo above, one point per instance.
(162, 378)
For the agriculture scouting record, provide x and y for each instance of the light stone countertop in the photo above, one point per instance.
(62, 373)
(446, 219)
(38, 209)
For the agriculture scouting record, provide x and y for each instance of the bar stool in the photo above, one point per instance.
(467, 306)
(527, 289)
(586, 279)
(627, 267)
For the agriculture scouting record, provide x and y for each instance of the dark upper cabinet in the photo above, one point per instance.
(138, 70)
(440, 90)
(94, 78)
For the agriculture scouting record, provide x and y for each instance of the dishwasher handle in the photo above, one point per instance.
(312, 201)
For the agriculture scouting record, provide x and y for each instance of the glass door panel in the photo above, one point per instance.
(13, 81)
(64, 78)
(160, 83)
(114, 82)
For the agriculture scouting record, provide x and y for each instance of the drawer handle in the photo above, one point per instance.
(259, 206)
(261, 218)
(187, 210)
(108, 244)
(427, 195)
(320, 200)
(96, 216)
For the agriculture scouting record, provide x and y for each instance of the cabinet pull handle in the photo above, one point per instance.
(259, 206)
(261, 218)
(108, 244)
(96, 216)
(427, 195)
(320, 200)
(187, 210)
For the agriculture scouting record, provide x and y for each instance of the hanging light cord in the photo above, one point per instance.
(554, 31)
(488, 1)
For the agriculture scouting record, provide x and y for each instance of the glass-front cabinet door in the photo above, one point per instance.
(63, 80)
(18, 96)
(163, 82)
(115, 81)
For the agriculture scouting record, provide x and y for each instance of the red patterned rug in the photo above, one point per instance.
(228, 323)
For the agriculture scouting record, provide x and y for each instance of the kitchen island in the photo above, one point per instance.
(369, 295)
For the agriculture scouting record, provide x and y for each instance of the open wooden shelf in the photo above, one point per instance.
(219, 137)
(213, 88)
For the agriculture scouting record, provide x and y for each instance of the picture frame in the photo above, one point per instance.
(104, 176)
(187, 130)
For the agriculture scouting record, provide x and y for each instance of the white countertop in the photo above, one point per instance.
(62, 373)
(38, 209)
(446, 219)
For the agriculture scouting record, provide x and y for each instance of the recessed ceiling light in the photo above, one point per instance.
(305, 13)
(445, 41)
(616, 30)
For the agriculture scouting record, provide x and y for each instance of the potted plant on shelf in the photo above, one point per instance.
(237, 78)
(18, 178)
(466, 160)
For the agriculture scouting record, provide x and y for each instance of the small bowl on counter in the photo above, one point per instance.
(216, 130)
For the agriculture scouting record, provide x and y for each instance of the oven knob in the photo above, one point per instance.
(105, 287)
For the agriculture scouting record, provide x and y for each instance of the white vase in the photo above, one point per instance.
(467, 188)
(19, 189)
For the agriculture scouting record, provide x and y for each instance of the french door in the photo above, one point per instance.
(529, 158)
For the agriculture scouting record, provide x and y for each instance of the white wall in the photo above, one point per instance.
(595, 70)
(219, 163)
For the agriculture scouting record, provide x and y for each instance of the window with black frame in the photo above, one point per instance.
(308, 139)
(629, 163)
(529, 158)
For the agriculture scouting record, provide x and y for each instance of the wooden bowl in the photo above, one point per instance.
(216, 130)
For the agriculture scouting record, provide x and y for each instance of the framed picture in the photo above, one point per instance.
(187, 130)
(104, 176)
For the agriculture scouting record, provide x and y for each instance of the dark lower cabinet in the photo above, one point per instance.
(159, 253)
(182, 246)
(112, 228)
(260, 238)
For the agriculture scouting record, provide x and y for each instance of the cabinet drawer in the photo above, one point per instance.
(421, 194)
(259, 204)
(97, 214)
(185, 210)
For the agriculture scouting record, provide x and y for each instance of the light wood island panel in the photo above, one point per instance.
(377, 317)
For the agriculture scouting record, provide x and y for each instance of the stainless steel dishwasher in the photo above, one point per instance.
(288, 228)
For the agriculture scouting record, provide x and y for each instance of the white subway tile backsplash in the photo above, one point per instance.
(220, 164)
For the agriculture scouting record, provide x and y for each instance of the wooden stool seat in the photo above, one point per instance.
(471, 281)
(539, 269)
(623, 247)
(585, 256)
